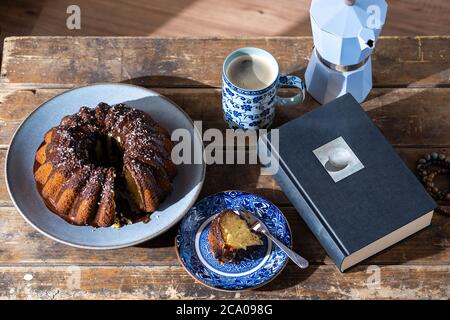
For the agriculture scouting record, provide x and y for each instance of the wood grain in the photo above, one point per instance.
(409, 104)
(406, 116)
(144, 282)
(182, 62)
(21, 244)
(221, 177)
(203, 17)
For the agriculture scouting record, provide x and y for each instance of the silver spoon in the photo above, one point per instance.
(256, 225)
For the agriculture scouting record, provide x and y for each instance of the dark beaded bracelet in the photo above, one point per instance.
(442, 211)
(430, 166)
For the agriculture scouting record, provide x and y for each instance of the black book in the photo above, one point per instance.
(347, 182)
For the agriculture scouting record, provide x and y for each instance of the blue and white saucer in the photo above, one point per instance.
(262, 266)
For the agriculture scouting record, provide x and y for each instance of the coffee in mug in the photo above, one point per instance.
(251, 72)
(250, 81)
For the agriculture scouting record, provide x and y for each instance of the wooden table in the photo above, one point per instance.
(410, 103)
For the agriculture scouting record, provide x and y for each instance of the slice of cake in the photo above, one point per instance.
(230, 234)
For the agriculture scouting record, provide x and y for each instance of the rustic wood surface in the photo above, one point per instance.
(202, 17)
(410, 104)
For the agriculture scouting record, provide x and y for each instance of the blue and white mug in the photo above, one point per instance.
(255, 109)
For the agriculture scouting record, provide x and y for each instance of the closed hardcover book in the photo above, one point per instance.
(347, 182)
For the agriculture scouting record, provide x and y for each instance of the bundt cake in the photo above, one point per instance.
(105, 166)
(229, 235)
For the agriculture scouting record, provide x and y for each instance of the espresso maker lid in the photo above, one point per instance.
(346, 18)
(345, 31)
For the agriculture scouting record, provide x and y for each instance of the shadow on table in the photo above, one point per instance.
(291, 276)
(167, 239)
(305, 244)
(163, 81)
(18, 18)
(406, 251)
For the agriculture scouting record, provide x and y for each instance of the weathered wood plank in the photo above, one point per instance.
(221, 177)
(411, 117)
(407, 116)
(217, 18)
(320, 282)
(4, 197)
(22, 244)
(196, 62)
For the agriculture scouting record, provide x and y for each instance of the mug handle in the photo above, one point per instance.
(295, 82)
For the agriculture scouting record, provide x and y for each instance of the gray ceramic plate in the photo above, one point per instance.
(28, 137)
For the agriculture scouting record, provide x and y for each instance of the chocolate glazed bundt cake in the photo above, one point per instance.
(105, 166)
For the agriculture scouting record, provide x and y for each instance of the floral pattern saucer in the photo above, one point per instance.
(260, 267)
